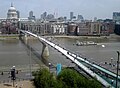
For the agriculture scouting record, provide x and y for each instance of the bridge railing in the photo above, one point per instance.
(95, 66)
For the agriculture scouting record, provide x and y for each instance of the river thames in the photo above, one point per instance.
(14, 53)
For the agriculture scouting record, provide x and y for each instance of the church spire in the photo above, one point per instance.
(11, 4)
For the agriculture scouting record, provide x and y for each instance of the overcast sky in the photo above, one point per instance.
(88, 8)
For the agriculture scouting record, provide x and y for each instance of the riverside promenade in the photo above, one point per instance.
(20, 84)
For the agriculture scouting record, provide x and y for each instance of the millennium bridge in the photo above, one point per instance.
(104, 76)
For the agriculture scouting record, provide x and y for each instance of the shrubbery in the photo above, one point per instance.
(68, 78)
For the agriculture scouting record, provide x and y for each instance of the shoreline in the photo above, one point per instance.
(11, 36)
(82, 37)
(16, 36)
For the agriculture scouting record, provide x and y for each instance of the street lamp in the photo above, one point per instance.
(111, 62)
(117, 69)
(30, 62)
(49, 65)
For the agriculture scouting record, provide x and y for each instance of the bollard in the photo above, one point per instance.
(17, 72)
(16, 85)
(1, 73)
(105, 62)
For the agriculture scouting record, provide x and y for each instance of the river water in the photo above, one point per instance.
(14, 52)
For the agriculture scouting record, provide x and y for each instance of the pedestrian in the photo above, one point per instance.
(112, 81)
(1, 73)
(16, 85)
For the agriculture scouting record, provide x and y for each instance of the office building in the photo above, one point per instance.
(18, 14)
(44, 15)
(80, 18)
(71, 15)
(31, 16)
(50, 16)
(116, 17)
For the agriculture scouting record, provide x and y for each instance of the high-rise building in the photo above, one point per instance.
(31, 16)
(71, 15)
(116, 17)
(50, 16)
(80, 18)
(18, 14)
(44, 15)
(95, 19)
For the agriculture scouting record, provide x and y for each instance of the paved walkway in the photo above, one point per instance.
(21, 84)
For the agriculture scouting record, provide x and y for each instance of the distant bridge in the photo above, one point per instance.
(106, 77)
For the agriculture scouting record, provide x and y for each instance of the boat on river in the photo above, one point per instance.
(85, 43)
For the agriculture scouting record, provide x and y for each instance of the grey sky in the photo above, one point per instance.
(88, 8)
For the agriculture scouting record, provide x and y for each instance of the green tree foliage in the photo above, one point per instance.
(43, 79)
(74, 80)
(68, 78)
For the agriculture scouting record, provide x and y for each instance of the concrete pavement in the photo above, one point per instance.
(21, 84)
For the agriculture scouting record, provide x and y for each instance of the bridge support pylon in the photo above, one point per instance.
(26, 38)
(45, 51)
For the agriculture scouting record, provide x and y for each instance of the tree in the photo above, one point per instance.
(73, 79)
(67, 78)
(43, 79)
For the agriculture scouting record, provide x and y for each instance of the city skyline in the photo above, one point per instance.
(89, 9)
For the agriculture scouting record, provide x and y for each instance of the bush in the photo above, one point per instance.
(68, 78)
(74, 80)
(43, 79)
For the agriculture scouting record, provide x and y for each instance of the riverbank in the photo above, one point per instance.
(16, 36)
(10, 36)
(85, 37)
(13, 36)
